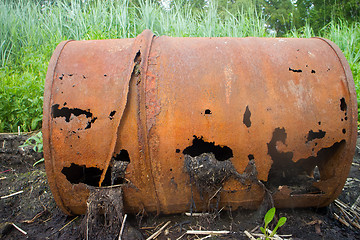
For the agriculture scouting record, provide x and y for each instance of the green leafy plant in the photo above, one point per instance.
(269, 216)
(36, 142)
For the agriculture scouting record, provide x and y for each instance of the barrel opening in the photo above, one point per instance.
(115, 174)
(76, 174)
(69, 113)
(343, 105)
(136, 70)
(315, 135)
(299, 176)
(246, 118)
(117, 168)
(295, 70)
(111, 115)
(199, 146)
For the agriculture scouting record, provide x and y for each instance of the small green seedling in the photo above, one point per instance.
(269, 216)
(36, 142)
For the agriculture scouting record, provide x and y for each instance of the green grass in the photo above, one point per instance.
(30, 31)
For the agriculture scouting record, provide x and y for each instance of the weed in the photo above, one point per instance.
(36, 142)
(269, 216)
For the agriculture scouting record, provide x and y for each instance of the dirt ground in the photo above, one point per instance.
(34, 211)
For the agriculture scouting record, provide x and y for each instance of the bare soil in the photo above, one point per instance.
(35, 212)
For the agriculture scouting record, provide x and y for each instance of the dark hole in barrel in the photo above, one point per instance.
(66, 112)
(207, 111)
(88, 125)
(200, 146)
(136, 70)
(343, 105)
(76, 174)
(177, 150)
(117, 168)
(111, 115)
(315, 135)
(299, 176)
(313, 71)
(246, 117)
(251, 157)
(344, 131)
(295, 70)
(115, 174)
(123, 155)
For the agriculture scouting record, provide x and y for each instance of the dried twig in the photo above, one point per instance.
(208, 236)
(20, 230)
(196, 214)
(217, 191)
(122, 227)
(13, 194)
(157, 233)
(200, 232)
(146, 228)
(341, 220)
(249, 235)
(36, 216)
(255, 228)
(181, 236)
(68, 223)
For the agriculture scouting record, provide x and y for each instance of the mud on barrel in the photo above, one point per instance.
(184, 123)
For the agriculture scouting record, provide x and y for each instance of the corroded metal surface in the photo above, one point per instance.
(189, 123)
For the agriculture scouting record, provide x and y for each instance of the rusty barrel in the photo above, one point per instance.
(179, 123)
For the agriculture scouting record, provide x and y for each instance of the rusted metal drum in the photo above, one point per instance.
(188, 123)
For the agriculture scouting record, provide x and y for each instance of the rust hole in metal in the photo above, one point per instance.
(66, 112)
(313, 71)
(199, 146)
(177, 150)
(207, 172)
(118, 168)
(208, 111)
(115, 174)
(76, 174)
(136, 70)
(315, 135)
(344, 131)
(251, 157)
(111, 115)
(246, 118)
(300, 175)
(343, 105)
(88, 125)
(122, 156)
(295, 70)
